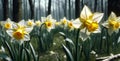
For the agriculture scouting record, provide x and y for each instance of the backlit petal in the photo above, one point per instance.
(97, 17)
(85, 13)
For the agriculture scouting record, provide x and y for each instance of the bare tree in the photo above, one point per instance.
(49, 7)
(17, 10)
(69, 9)
(77, 8)
(32, 9)
(5, 9)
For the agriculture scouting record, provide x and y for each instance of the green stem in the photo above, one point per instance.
(39, 35)
(77, 38)
(107, 42)
(33, 52)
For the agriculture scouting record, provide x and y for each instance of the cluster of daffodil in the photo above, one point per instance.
(86, 24)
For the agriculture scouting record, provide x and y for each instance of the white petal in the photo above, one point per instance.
(43, 19)
(84, 30)
(2, 23)
(49, 16)
(28, 30)
(9, 20)
(112, 16)
(83, 36)
(10, 32)
(22, 23)
(85, 13)
(118, 19)
(116, 31)
(77, 23)
(105, 24)
(49, 29)
(14, 26)
(88, 33)
(97, 17)
(26, 37)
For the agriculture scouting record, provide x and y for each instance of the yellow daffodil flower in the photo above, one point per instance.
(63, 23)
(7, 24)
(70, 25)
(30, 23)
(37, 23)
(49, 22)
(90, 22)
(20, 31)
(113, 23)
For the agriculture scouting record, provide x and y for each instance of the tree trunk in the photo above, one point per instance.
(17, 10)
(32, 9)
(49, 7)
(69, 9)
(5, 9)
(77, 8)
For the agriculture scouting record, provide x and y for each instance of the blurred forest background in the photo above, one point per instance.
(35, 9)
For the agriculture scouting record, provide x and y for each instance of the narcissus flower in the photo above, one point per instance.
(7, 24)
(63, 23)
(49, 22)
(30, 23)
(37, 23)
(20, 31)
(70, 25)
(57, 24)
(90, 22)
(113, 23)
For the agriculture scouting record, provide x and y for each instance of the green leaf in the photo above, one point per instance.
(28, 54)
(5, 57)
(69, 41)
(33, 52)
(68, 53)
(62, 34)
(23, 55)
(10, 50)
